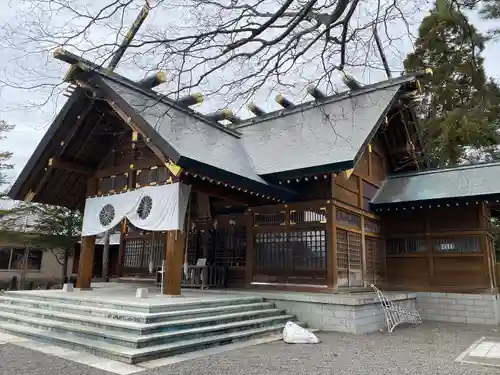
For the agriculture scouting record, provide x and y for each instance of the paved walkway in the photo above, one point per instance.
(427, 349)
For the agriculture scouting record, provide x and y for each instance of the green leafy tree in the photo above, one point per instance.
(51, 227)
(459, 109)
(64, 226)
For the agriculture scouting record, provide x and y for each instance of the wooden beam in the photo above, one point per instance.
(331, 243)
(174, 258)
(221, 192)
(86, 263)
(59, 163)
(250, 251)
(121, 249)
(122, 168)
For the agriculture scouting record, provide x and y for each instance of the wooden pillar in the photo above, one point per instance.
(250, 253)
(364, 263)
(86, 262)
(174, 259)
(121, 249)
(331, 243)
(429, 247)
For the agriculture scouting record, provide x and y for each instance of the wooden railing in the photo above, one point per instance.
(204, 277)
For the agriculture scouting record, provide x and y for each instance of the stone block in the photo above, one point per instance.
(472, 320)
(141, 293)
(457, 319)
(483, 303)
(67, 287)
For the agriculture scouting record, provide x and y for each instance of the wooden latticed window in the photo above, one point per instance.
(462, 244)
(405, 245)
(113, 184)
(230, 246)
(375, 261)
(152, 176)
(277, 218)
(271, 250)
(372, 226)
(305, 249)
(308, 248)
(154, 248)
(133, 253)
(121, 182)
(308, 216)
(349, 258)
(140, 251)
(348, 219)
(106, 185)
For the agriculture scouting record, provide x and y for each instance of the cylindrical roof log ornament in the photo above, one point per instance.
(129, 36)
(190, 99)
(350, 81)
(315, 93)
(284, 102)
(225, 114)
(256, 110)
(153, 80)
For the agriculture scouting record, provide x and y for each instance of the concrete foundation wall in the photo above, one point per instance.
(459, 307)
(356, 316)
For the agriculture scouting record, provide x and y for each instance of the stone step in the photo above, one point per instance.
(130, 316)
(136, 355)
(138, 328)
(136, 305)
(134, 340)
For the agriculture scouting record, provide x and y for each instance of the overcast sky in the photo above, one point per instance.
(32, 123)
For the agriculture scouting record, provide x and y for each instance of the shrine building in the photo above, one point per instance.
(325, 197)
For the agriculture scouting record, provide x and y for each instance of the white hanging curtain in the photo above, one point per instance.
(153, 208)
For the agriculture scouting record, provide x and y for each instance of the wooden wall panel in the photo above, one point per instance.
(408, 272)
(403, 223)
(456, 251)
(346, 196)
(460, 271)
(378, 168)
(362, 167)
(454, 218)
(350, 183)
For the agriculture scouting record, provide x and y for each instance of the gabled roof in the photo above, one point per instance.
(327, 134)
(190, 141)
(468, 181)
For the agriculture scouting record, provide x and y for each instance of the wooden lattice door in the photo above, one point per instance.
(349, 258)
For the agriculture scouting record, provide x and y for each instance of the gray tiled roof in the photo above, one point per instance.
(458, 182)
(317, 135)
(191, 137)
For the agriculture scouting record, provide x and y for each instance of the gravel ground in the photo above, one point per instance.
(427, 349)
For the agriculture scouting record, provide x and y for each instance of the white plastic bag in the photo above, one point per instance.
(295, 334)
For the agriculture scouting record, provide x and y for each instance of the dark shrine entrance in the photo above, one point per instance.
(215, 232)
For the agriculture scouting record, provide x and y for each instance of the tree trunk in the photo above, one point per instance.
(24, 266)
(65, 265)
(105, 256)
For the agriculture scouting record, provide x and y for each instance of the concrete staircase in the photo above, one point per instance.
(136, 333)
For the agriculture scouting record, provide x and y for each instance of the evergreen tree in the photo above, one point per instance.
(4, 155)
(459, 108)
(490, 10)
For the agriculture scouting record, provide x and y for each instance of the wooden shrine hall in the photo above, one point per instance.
(329, 195)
